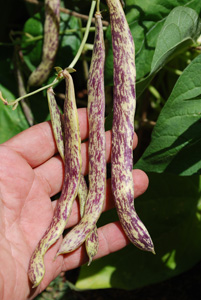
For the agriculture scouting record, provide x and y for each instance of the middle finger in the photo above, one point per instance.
(51, 172)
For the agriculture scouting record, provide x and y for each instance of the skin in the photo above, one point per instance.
(31, 173)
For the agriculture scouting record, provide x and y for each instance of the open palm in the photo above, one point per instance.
(31, 173)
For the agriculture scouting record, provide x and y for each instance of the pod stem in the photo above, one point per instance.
(13, 103)
(93, 5)
(98, 6)
(60, 76)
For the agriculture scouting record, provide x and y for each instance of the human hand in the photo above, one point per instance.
(31, 173)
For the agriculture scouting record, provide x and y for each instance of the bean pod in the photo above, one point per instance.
(50, 44)
(124, 99)
(91, 243)
(72, 157)
(58, 128)
(97, 159)
(57, 122)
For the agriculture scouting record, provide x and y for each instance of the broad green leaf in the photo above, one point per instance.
(180, 29)
(11, 122)
(176, 141)
(170, 209)
(150, 21)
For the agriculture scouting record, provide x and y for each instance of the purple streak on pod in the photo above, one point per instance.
(58, 128)
(91, 243)
(72, 157)
(123, 128)
(57, 122)
(97, 157)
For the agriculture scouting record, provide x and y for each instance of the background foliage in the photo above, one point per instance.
(168, 62)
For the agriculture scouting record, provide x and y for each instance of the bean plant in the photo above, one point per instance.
(167, 119)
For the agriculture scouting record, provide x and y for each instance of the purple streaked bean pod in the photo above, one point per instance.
(57, 122)
(58, 126)
(124, 98)
(97, 157)
(72, 158)
(50, 44)
(91, 243)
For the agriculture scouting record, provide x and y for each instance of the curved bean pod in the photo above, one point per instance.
(50, 44)
(97, 159)
(72, 174)
(123, 128)
(91, 242)
(57, 126)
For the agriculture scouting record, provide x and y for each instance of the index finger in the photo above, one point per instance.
(36, 144)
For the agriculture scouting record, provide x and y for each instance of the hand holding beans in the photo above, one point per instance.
(37, 176)
(68, 140)
(122, 155)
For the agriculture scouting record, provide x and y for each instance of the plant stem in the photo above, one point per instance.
(40, 37)
(56, 81)
(175, 71)
(98, 6)
(93, 4)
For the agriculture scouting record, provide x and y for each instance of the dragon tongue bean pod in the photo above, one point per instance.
(97, 159)
(58, 128)
(50, 44)
(72, 175)
(123, 127)
(91, 243)
(57, 122)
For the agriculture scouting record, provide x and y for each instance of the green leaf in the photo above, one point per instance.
(32, 51)
(157, 36)
(68, 42)
(180, 29)
(170, 209)
(176, 141)
(11, 122)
